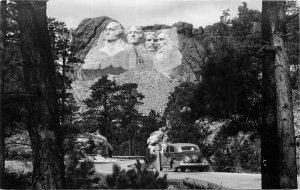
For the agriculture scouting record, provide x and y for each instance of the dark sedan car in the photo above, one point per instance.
(182, 156)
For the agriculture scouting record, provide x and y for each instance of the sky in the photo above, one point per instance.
(146, 12)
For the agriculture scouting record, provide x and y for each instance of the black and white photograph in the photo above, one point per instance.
(149, 94)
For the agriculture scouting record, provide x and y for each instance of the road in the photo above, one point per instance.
(229, 180)
(106, 168)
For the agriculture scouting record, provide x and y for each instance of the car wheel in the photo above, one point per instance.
(175, 169)
(207, 168)
(182, 169)
(200, 169)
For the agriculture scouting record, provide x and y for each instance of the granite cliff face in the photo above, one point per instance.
(87, 34)
(106, 48)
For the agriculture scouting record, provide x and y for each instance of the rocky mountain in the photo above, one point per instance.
(107, 49)
(190, 44)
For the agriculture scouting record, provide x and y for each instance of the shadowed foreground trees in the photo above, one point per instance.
(2, 61)
(42, 106)
(138, 178)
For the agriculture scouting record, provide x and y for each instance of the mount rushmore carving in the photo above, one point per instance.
(156, 58)
(125, 50)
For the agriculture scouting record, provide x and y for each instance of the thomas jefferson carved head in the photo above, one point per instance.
(113, 31)
(151, 42)
(135, 35)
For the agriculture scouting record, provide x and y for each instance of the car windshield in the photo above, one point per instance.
(189, 148)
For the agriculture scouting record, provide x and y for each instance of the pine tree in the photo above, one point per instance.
(113, 111)
(103, 110)
(136, 178)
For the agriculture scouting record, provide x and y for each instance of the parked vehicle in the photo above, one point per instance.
(180, 156)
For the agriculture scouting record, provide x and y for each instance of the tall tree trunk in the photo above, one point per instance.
(2, 62)
(278, 136)
(63, 91)
(39, 75)
(285, 117)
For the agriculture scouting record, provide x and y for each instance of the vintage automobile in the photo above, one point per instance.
(181, 156)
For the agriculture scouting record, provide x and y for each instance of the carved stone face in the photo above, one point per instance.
(113, 31)
(150, 43)
(162, 41)
(135, 35)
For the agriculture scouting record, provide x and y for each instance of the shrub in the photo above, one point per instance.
(79, 175)
(18, 146)
(136, 178)
(238, 152)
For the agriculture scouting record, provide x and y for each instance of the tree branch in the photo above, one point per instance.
(16, 97)
(291, 17)
(13, 143)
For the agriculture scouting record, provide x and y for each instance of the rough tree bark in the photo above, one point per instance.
(285, 118)
(2, 61)
(63, 91)
(39, 73)
(278, 136)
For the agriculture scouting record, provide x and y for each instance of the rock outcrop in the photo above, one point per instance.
(184, 28)
(87, 34)
(155, 27)
(194, 56)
